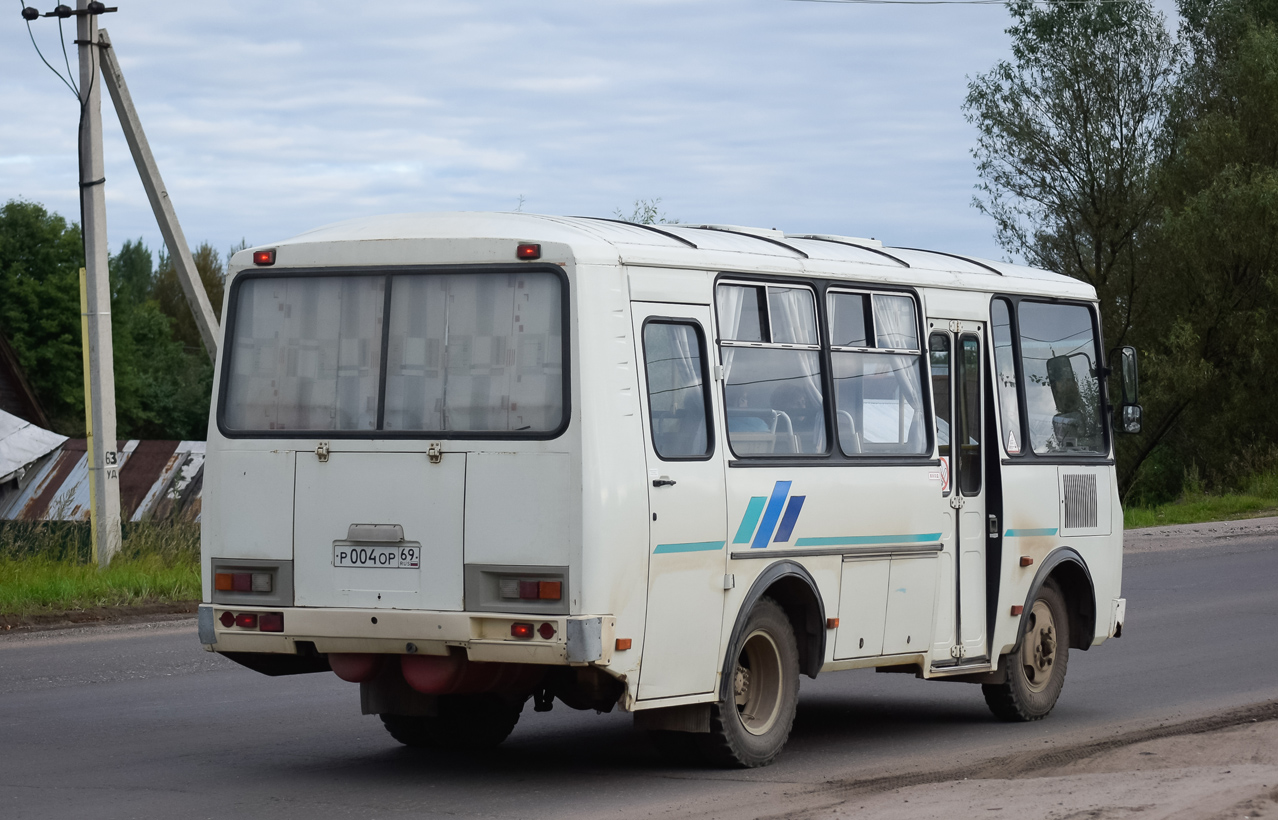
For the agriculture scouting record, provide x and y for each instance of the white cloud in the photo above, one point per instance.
(267, 120)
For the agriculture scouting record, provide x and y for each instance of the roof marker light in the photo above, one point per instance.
(264, 257)
(528, 250)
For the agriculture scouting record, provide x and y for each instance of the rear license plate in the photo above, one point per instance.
(388, 557)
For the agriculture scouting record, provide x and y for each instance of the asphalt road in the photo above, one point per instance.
(140, 722)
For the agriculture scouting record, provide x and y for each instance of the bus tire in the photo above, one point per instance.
(751, 725)
(464, 722)
(1035, 671)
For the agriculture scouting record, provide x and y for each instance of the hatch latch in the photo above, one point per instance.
(321, 452)
(435, 452)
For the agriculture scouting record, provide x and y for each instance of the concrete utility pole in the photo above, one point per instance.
(179, 251)
(104, 471)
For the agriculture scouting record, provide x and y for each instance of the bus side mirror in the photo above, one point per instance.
(1129, 409)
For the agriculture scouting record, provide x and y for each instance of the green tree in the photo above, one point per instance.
(645, 212)
(1069, 133)
(40, 260)
(1216, 247)
(172, 301)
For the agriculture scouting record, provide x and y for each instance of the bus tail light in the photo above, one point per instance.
(264, 257)
(243, 582)
(521, 630)
(546, 631)
(258, 621)
(527, 589)
(528, 250)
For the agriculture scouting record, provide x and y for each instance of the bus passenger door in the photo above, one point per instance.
(686, 495)
(958, 373)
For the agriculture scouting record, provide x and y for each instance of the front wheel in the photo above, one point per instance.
(751, 726)
(1036, 671)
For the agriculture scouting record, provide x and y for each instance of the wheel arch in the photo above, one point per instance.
(795, 591)
(1068, 569)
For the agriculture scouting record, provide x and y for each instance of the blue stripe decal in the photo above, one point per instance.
(858, 540)
(696, 546)
(753, 510)
(1030, 533)
(787, 521)
(779, 491)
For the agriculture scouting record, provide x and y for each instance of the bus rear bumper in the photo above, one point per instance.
(487, 637)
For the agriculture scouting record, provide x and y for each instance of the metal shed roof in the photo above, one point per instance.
(158, 479)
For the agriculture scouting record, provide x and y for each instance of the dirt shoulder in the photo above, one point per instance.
(101, 615)
(1193, 536)
(1221, 766)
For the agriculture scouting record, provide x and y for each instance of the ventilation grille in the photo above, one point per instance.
(1080, 501)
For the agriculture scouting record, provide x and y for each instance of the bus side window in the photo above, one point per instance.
(674, 357)
(771, 353)
(939, 358)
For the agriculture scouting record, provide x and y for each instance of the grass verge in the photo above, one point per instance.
(1258, 497)
(46, 567)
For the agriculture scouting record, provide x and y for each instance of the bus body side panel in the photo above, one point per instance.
(1031, 522)
(236, 524)
(613, 490)
(888, 521)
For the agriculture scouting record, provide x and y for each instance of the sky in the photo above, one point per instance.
(268, 120)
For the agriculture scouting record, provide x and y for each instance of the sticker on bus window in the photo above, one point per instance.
(1013, 446)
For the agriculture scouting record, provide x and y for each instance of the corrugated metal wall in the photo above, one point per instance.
(158, 479)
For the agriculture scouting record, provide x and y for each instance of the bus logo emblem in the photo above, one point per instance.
(770, 510)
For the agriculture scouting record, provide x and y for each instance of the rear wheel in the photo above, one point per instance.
(467, 722)
(752, 725)
(1036, 671)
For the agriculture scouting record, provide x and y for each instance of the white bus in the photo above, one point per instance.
(472, 460)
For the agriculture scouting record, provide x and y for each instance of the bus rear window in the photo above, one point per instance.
(464, 353)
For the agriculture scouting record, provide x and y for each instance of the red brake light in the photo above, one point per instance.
(271, 621)
(227, 619)
(242, 582)
(246, 620)
(526, 250)
(529, 590)
(264, 257)
(521, 630)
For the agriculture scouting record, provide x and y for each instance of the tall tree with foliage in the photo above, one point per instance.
(40, 259)
(1070, 132)
(1216, 248)
(163, 380)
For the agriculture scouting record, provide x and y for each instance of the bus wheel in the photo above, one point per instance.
(1036, 671)
(750, 727)
(468, 722)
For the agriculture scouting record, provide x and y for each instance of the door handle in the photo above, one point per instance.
(663, 482)
(993, 524)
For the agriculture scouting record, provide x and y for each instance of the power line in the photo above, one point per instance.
(31, 34)
(65, 58)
